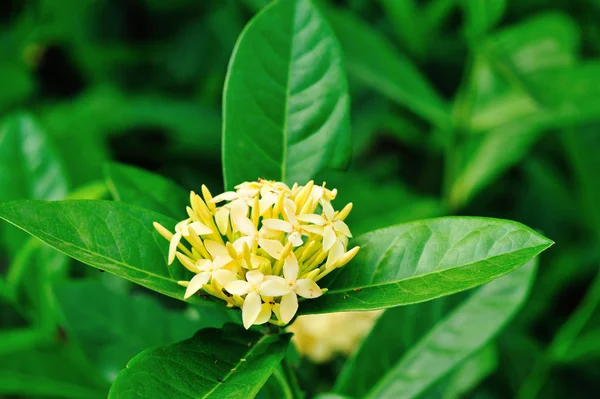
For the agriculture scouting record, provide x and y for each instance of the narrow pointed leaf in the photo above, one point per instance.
(228, 363)
(111, 236)
(374, 61)
(30, 167)
(423, 260)
(145, 189)
(285, 99)
(454, 339)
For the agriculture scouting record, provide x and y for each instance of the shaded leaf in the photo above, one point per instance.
(462, 333)
(423, 260)
(373, 60)
(395, 332)
(481, 15)
(114, 326)
(50, 371)
(30, 167)
(145, 189)
(227, 363)
(285, 98)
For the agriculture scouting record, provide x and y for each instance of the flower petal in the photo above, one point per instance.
(288, 307)
(264, 315)
(278, 224)
(296, 238)
(204, 265)
(245, 225)
(313, 229)
(224, 277)
(307, 288)
(267, 202)
(255, 277)
(274, 286)
(173, 247)
(342, 227)
(312, 218)
(222, 219)
(291, 268)
(215, 248)
(196, 283)
(272, 247)
(238, 287)
(199, 228)
(238, 245)
(327, 209)
(239, 209)
(256, 261)
(226, 196)
(329, 238)
(337, 251)
(220, 261)
(251, 309)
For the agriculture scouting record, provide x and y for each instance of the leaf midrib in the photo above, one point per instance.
(237, 365)
(341, 291)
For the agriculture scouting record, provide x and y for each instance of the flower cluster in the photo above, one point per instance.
(261, 246)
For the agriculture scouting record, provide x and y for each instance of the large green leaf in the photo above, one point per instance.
(423, 260)
(461, 334)
(395, 332)
(111, 236)
(113, 326)
(285, 99)
(147, 190)
(373, 60)
(227, 363)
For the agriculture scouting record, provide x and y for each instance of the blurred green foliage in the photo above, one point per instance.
(466, 107)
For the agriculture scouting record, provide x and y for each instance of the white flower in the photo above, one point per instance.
(253, 311)
(206, 267)
(293, 228)
(262, 237)
(335, 232)
(304, 287)
(181, 230)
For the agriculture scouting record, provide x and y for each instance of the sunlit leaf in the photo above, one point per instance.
(227, 363)
(423, 260)
(285, 99)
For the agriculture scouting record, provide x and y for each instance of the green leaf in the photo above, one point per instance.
(49, 371)
(466, 376)
(423, 260)
(481, 15)
(111, 236)
(481, 159)
(139, 187)
(374, 61)
(30, 168)
(227, 363)
(285, 99)
(386, 343)
(461, 334)
(114, 326)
